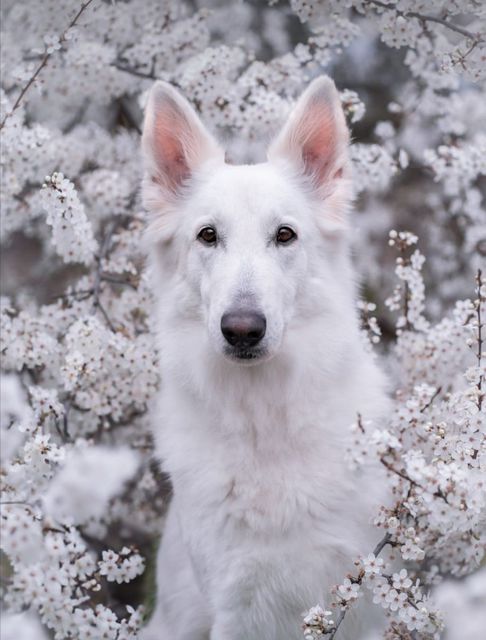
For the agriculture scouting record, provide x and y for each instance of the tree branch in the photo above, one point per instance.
(477, 37)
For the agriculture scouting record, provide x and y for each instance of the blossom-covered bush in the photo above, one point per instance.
(82, 500)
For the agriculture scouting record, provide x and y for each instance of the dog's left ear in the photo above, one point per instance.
(314, 143)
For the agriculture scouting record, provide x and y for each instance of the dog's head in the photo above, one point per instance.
(250, 252)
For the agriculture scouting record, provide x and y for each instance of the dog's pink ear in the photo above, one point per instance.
(315, 137)
(175, 143)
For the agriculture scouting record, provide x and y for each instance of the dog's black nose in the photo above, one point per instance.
(243, 328)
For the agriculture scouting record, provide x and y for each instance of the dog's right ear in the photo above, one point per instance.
(313, 144)
(175, 145)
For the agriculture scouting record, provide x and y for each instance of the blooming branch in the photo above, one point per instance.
(50, 49)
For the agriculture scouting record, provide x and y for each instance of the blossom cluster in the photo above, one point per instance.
(72, 233)
(433, 448)
(82, 500)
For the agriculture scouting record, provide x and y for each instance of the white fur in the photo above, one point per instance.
(265, 517)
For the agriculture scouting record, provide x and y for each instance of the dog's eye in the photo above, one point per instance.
(207, 235)
(285, 235)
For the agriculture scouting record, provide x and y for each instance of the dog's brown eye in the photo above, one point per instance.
(207, 235)
(285, 235)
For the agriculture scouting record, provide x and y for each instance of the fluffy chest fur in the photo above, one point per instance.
(268, 512)
(265, 456)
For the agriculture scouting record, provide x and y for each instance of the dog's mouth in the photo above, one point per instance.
(246, 355)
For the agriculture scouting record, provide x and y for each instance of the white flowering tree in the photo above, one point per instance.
(82, 501)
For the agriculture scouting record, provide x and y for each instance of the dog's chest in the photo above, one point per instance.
(277, 486)
(264, 499)
(259, 507)
(267, 478)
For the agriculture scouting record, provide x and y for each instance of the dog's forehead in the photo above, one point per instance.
(257, 190)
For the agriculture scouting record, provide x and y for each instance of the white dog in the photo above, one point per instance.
(263, 371)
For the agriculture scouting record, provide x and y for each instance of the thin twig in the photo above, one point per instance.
(360, 423)
(397, 472)
(81, 295)
(105, 315)
(404, 476)
(122, 281)
(43, 63)
(105, 246)
(428, 404)
(480, 339)
(377, 550)
(65, 421)
(133, 71)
